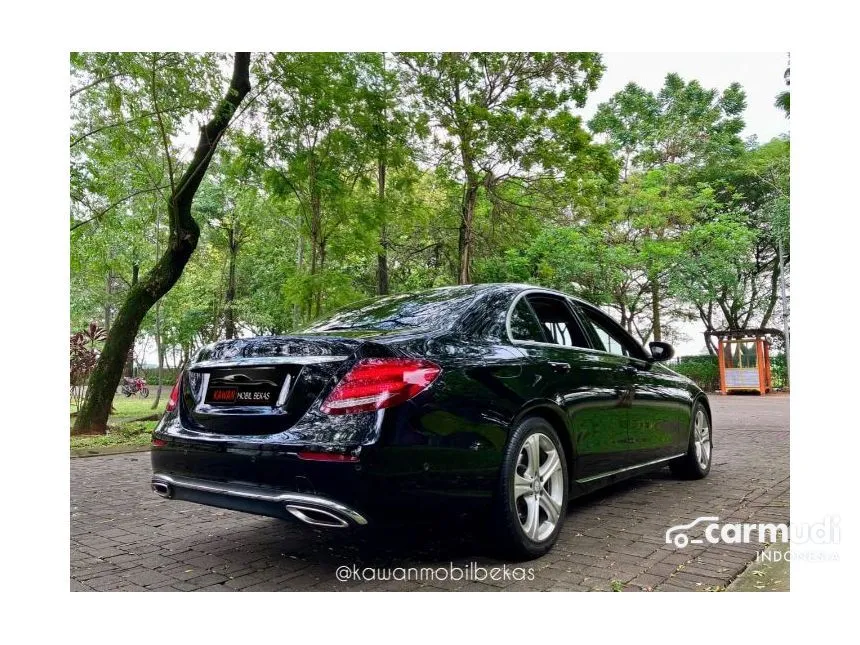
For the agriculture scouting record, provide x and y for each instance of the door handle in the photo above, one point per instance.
(559, 367)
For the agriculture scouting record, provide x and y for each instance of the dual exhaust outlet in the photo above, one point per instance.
(309, 509)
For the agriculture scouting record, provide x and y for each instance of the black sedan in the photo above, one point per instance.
(504, 397)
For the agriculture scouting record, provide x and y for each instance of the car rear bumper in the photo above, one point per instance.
(311, 509)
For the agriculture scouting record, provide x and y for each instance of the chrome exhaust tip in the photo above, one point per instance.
(317, 516)
(162, 489)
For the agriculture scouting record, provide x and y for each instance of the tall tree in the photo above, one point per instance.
(182, 240)
(680, 128)
(500, 116)
(386, 129)
(313, 152)
(753, 190)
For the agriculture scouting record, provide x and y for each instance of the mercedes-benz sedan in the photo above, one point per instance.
(502, 397)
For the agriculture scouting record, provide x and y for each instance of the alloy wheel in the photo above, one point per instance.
(538, 487)
(702, 439)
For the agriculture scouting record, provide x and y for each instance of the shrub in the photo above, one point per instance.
(150, 375)
(778, 371)
(83, 356)
(703, 370)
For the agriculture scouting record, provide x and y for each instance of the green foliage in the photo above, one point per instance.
(138, 433)
(683, 123)
(778, 370)
(150, 375)
(703, 370)
(447, 166)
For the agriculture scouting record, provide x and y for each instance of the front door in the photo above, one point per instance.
(592, 388)
(658, 408)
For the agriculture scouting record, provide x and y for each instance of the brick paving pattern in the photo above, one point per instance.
(125, 538)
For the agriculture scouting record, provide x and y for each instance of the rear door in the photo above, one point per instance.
(590, 387)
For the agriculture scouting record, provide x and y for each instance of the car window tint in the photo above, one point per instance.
(433, 309)
(610, 339)
(524, 325)
(558, 321)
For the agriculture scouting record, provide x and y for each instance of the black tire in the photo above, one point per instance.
(688, 466)
(144, 392)
(514, 541)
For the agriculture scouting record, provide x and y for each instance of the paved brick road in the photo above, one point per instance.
(125, 538)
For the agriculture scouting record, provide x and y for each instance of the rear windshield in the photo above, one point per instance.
(426, 310)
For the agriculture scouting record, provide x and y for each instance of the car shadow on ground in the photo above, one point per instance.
(430, 538)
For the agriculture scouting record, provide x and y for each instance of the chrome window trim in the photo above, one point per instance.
(644, 362)
(534, 343)
(267, 360)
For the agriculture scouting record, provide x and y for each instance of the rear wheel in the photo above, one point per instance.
(696, 464)
(531, 500)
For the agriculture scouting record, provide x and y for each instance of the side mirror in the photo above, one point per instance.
(661, 351)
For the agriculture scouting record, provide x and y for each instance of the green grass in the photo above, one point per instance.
(132, 407)
(122, 431)
(138, 433)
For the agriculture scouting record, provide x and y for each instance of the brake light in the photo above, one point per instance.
(309, 455)
(377, 383)
(174, 395)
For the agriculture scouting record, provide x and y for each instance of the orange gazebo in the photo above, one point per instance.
(744, 359)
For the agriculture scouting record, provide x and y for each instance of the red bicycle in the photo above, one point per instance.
(132, 386)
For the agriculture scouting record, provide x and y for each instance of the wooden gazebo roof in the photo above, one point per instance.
(746, 333)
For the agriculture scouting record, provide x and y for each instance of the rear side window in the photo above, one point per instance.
(558, 322)
(524, 325)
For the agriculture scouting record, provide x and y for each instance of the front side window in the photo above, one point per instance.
(611, 338)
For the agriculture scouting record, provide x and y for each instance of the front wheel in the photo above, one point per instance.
(531, 500)
(696, 464)
(144, 392)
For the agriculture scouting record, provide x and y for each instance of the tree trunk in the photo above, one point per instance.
(159, 350)
(470, 197)
(382, 256)
(184, 233)
(655, 310)
(300, 248)
(230, 295)
(318, 300)
(316, 233)
(108, 294)
(135, 277)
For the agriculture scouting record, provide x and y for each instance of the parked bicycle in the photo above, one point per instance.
(132, 386)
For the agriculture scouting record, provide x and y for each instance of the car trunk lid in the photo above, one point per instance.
(261, 385)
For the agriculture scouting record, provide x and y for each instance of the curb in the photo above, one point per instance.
(79, 453)
(765, 576)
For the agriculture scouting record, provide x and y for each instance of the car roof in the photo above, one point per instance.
(513, 287)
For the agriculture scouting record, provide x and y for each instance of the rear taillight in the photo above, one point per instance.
(339, 457)
(376, 383)
(174, 395)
